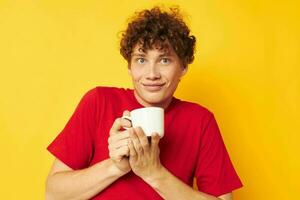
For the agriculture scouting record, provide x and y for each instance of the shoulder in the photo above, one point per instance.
(103, 95)
(193, 108)
(102, 91)
(193, 113)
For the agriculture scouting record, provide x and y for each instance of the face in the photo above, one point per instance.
(155, 74)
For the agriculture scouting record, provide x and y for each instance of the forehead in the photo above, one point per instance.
(165, 48)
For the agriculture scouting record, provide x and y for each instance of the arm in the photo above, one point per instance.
(144, 161)
(65, 183)
(170, 187)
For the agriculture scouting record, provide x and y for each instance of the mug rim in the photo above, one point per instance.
(145, 108)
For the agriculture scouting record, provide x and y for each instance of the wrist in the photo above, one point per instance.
(114, 170)
(156, 179)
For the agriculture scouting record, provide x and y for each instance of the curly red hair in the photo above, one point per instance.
(159, 28)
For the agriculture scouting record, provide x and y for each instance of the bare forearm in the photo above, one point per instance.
(82, 184)
(171, 188)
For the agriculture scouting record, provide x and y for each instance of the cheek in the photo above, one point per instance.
(173, 77)
(136, 74)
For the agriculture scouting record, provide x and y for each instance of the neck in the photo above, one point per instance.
(163, 105)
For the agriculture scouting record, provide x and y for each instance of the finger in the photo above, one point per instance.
(118, 154)
(118, 144)
(132, 152)
(123, 151)
(136, 142)
(154, 141)
(118, 136)
(118, 124)
(126, 115)
(142, 138)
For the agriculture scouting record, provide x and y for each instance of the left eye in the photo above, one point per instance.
(165, 61)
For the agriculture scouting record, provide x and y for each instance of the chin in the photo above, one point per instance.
(154, 99)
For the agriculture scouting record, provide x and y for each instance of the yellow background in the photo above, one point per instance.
(246, 71)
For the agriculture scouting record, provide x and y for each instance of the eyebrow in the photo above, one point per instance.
(138, 55)
(144, 55)
(165, 54)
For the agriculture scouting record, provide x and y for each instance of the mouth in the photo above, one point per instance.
(153, 87)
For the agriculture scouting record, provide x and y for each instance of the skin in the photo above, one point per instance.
(65, 183)
(155, 75)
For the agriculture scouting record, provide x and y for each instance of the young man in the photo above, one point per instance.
(96, 158)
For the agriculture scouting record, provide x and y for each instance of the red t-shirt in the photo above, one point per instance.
(191, 147)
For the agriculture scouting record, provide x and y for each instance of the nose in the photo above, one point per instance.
(153, 72)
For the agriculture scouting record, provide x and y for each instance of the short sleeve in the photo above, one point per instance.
(74, 146)
(215, 173)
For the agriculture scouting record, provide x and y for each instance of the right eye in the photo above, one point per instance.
(140, 60)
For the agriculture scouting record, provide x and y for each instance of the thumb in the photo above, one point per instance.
(126, 113)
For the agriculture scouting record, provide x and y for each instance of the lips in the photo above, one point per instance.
(152, 87)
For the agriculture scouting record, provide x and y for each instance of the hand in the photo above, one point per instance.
(144, 157)
(118, 144)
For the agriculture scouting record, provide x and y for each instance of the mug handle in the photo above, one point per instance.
(128, 118)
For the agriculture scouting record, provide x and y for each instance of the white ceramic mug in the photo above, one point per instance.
(150, 119)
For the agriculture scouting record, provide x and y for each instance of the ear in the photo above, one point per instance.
(184, 71)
